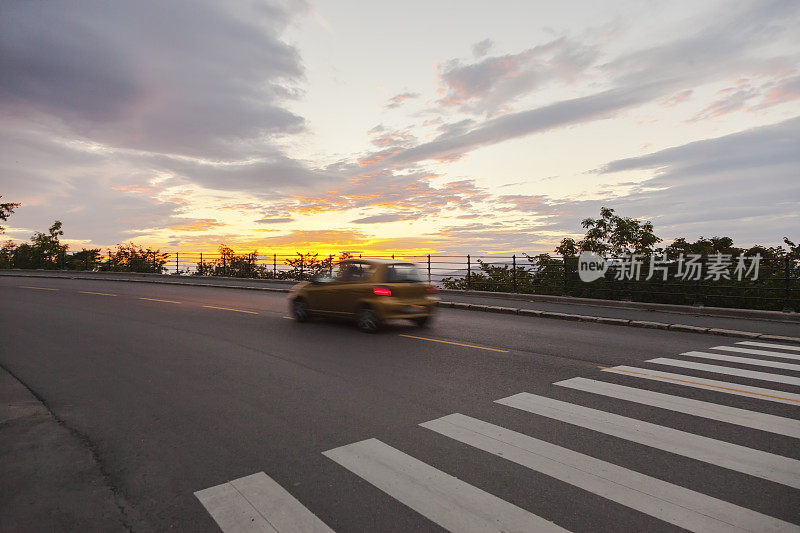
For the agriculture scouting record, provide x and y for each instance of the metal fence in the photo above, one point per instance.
(777, 286)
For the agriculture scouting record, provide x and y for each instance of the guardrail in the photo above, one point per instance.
(775, 286)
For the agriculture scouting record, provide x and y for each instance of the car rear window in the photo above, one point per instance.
(405, 273)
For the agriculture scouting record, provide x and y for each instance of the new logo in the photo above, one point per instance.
(591, 266)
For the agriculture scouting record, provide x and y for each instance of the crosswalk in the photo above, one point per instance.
(258, 503)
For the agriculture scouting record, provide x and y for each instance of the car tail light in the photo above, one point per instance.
(382, 291)
(431, 289)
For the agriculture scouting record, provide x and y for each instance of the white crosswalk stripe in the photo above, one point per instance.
(753, 351)
(707, 384)
(442, 498)
(757, 463)
(770, 345)
(713, 411)
(744, 360)
(258, 503)
(673, 504)
(731, 371)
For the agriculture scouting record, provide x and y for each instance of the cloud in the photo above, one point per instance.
(281, 220)
(187, 78)
(482, 48)
(489, 84)
(398, 99)
(198, 224)
(391, 192)
(736, 44)
(744, 184)
(453, 145)
(786, 90)
(389, 217)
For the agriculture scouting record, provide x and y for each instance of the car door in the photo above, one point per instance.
(327, 292)
(354, 286)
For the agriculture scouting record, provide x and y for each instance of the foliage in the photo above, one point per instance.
(307, 266)
(6, 209)
(615, 235)
(234, 266)
(84, 260)
(132, 258)
(44, 251)
(492, 277)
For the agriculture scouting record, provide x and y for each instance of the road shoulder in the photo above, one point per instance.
(51, 479)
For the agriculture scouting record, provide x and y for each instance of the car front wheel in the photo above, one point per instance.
(368, 320)
(300, 310)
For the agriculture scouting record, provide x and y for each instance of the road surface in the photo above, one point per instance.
(208, 408)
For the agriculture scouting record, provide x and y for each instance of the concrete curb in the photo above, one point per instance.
(618, 321)
(722, 312)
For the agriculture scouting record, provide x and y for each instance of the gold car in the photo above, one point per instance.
(369, 290)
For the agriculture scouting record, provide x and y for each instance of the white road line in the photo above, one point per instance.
(757, 463)
(713, 411)
(442, 498)
(676, 505)
(708, 384)
(744, 360)
(758, 352)
(258, 503)
(752, 374)
(769, 345)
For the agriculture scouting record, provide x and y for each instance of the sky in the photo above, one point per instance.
(421, 127)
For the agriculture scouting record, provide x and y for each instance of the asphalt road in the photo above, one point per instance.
(177, 389)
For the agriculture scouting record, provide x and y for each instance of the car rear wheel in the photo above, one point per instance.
(300, 310)
(422, 321)
(368, 320)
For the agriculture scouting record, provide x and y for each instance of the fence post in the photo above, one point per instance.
(86, 262)
(392, 256)
(224, 266)
(330, 266)
(787, 302)
(301, 267)
(202, 267)
(109, 259)
(565, 290)
(429, 269)
(698, 296)
(274, 266)
(177, 267)
(154, 262)
(469, 273)
(514, 266)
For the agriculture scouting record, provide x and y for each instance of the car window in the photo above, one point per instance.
(403, 273)
(353, 271)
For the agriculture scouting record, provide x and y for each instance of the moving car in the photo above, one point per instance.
(371, 291)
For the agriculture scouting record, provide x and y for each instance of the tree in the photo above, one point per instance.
(132, 258)
(615, 235)
(703, 245)
(7, 252)
(493, 277)
(567, 248)
(46, 248)
(84, 260)
(6, 210)
(231, 265)
(307, 266)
